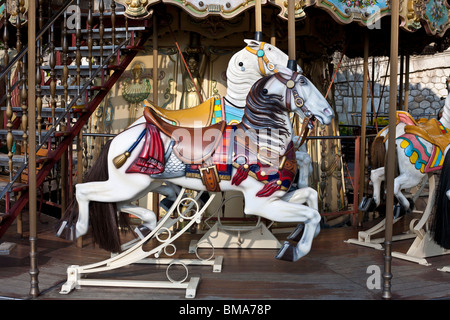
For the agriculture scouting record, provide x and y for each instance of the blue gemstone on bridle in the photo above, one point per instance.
(260, 53)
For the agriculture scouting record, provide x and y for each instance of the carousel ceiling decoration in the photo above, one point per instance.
(433, 15)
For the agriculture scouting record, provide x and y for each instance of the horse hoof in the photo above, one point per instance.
(166, 204)
(400, 211)
(367, 205)
(142, 231)
(287, 253)
(297, 234)
(411, 205)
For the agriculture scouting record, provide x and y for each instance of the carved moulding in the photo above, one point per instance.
(11, 6)
(137, 9)
(365, 12)
(435, 16)
(197, 8)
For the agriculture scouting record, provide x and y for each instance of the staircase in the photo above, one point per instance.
(68, 90)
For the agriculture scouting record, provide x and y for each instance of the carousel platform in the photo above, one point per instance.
(333, 270)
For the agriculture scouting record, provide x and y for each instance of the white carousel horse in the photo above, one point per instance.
(421, 148)
(416, 158)
(262, 166)
(248, 65)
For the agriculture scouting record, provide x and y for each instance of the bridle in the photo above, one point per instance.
(299, 103)
(262, 59)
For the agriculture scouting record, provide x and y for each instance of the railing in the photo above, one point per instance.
(59, 125)
(6, 72)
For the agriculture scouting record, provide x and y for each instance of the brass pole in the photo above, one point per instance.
(258, 21)
(405, 99)
(362, 155)
(34, 290)
(155, 196)
(387, 275)
(292, 63)
(400, 86)
(273, 35)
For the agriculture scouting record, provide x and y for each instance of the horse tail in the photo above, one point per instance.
(441, 223)
(378, 152)
(104, 220)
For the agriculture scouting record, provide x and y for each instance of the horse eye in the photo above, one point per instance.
(265, 91)
(302, 80)
(241, 64)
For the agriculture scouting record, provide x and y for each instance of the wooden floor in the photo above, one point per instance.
(332, 270)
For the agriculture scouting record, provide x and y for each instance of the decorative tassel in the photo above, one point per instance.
(121, 159)
(269, 188)
(241, 174)
(151, 159)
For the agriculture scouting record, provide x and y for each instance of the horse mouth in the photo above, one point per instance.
(326, 116)
(311, 122)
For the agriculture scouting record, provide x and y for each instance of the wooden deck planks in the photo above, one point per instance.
(332, 270)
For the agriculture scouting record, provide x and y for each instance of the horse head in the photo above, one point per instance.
(256, 60)
(302, 97)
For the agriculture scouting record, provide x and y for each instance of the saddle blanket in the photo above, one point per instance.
(276, 172)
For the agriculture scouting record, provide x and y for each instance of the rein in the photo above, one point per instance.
(299, 102)
(262, 59)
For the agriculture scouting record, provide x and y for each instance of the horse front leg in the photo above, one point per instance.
(147, 216)
(406, 181)
(377, 177)
(275, 209)
(306, 196)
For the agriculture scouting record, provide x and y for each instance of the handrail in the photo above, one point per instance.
(80, 93)
(68, 108)
(41, 32)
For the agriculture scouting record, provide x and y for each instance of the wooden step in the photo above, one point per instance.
(18, 134)
(84, 70)
(120, 33)
(72, 51)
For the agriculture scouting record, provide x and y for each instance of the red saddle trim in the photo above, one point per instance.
(151, 158)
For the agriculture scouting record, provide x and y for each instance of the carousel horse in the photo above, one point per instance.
(245, 67)
(255, 157)
(421, 148)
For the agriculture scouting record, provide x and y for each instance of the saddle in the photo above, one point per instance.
(192, 145)
(431, 131)
(200, 115)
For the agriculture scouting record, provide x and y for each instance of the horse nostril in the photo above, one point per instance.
(328, 111)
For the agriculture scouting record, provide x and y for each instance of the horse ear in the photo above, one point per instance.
(252, 43)
(285, 71)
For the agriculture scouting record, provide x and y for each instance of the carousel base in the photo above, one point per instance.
(422, 247)
(365, 237)
(444, 269)
(239, 237)
(134, 253)
(75, 281)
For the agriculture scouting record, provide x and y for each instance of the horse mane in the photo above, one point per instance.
(237, 85)
(377, 153)
(264, 111)
(441, 223)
